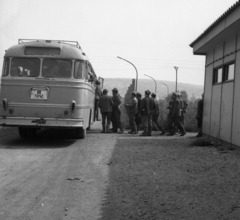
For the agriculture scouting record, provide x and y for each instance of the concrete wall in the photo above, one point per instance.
(222, 101)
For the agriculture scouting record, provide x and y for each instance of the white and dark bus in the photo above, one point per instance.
(47, 83)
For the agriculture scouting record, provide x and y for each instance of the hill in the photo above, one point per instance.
(143, 84)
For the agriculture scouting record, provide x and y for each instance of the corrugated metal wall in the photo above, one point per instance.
(222, 101)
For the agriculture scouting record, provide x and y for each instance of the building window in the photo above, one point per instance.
(223, 73)
(228, 72)
(217, 75)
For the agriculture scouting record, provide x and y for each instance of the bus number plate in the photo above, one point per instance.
(39, 94)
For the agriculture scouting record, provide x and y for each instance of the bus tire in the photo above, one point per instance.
(81, 133)
(22, 132)
(27, 132)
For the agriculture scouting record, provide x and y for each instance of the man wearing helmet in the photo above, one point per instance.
(175, 116)
(147, 107)
(116, 114)
(133, 110)
(98, 94)
(155, 115)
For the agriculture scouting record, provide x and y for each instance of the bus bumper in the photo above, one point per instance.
(40, 122)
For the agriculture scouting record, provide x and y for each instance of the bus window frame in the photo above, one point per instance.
(7, 60)
(26, 58)
(57, 59)
(84, 69)
(90, 74)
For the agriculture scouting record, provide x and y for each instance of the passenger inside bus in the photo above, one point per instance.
(25, 67)
(58, 70)
(15, 71)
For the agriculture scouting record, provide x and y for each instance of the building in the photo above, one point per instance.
(220, 43)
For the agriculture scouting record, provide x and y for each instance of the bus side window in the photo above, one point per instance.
(90, 74)
(79, 70)
(6, 67)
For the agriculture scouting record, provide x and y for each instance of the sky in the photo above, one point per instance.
(154, 35)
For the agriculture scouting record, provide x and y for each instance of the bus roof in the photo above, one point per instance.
(68, 49)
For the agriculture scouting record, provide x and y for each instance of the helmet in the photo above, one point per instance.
(139, 94)
(105, 91)
(153, 95)
(133, 93)
(147, 92)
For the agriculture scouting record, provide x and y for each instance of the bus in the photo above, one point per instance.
(47, 83)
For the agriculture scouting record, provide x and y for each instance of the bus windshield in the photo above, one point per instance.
(56, 68)
(29, 67)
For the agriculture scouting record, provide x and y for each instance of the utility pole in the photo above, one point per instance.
(176, 68)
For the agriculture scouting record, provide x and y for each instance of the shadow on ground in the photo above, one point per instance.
(45, 138)
(168, 179)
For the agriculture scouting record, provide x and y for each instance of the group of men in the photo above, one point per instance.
(110, 109)
(143, 112)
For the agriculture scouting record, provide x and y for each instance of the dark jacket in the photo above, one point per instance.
(105, 103)
(133, 107)
(176, 108)
(98, 92)
(147, 106)
(139, 105)
(156, 111)
(116, 101)
(200, 109)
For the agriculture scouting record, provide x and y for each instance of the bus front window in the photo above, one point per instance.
(55, 68)
(22, 67)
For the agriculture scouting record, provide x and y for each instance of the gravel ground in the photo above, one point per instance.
(170, 178)
(117, 176)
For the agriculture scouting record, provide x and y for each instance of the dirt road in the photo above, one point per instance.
(112, 176)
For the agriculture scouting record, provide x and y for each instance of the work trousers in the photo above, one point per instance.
(155, 121)
(96, 108)
(106, 115)
(132, 123)
(175, 121)
(138, 121)
(147, 124)
(116, 119)
(182, 119)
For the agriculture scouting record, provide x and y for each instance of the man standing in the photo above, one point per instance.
(175, 116)
(105, 105)
(133, 110)
(98, 94)
(184, 111)
(116, 115)
(138, 115)
(155, 115)
(199, 116)
(147, 107)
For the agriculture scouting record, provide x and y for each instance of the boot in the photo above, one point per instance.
(135, 129)
(149, 131)
(121, 129)
(103, 128)
(145, 132)
(107, 128)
